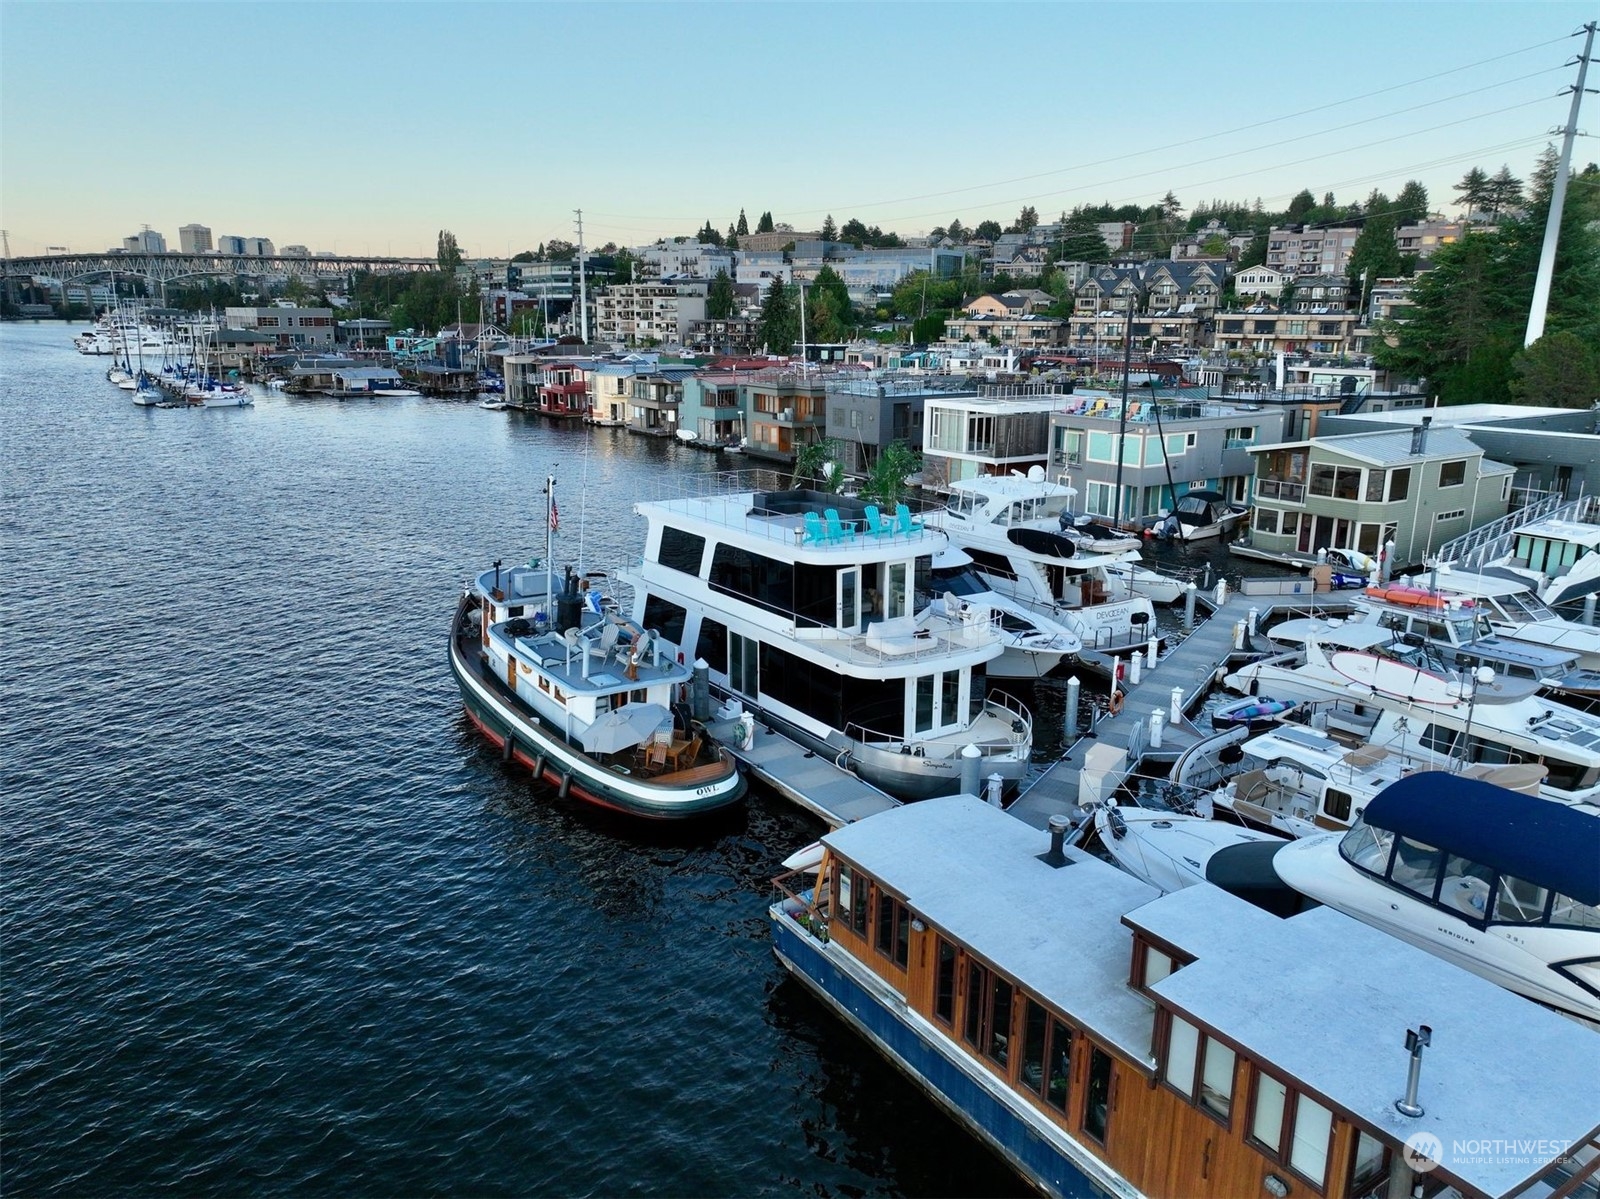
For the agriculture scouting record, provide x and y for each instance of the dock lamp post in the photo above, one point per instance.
(1481, 677)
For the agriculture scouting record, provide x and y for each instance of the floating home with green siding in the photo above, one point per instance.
(1417, 487)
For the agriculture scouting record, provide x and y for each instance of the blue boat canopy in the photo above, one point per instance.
(1538, 840)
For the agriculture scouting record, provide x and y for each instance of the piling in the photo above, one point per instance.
(1136, 669)
(1588, 609)
(995, 783)
(1156, 720)
(1189, 593)
(1177, 705)
(1238, 635)
(1151, 651)
(1251, 617)
(971, 766)
(1069, 720)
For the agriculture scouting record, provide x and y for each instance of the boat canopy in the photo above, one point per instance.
(1536, 840)
(1345, 635)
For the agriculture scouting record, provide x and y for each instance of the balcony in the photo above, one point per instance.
(1281, 489)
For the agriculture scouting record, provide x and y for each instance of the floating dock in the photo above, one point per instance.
(829, 792)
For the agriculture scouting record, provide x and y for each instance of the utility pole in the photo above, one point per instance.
(583, 288)
(1558, 197)
(1122, 421)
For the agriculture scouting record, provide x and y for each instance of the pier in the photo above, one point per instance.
(829, 792)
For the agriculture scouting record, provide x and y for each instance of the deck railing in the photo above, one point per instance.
(1498, 538)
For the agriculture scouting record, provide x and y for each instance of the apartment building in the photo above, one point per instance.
(786, 410)
(655, 312)
(146, 241)
(1423, 238)
(292, 327)
(1265, 330)
(1296, 250)
(1259, 281)
(194, 239)
(683, 259)
(1021, 332)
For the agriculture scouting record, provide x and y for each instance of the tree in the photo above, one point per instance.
(830, 231)
(556, 250)
(1412, 203)
(1560, 369)
(1503, 192)
(1171, 210)
(987, 231)
(743, 227)
(449, 252)
(732, 241)
(708, 235)
(719, 297)
(886, 481)
(780, 323)
(812, 462)
(957, 232)
(1374, 254)
(1027, 219)
(1302, 203)
(1473, 190)
(765, 225)
(1081, 242)
(829, 313)
(622, 266)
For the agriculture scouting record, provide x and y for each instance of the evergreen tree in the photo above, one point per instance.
(1411, 204)
(830, 231)
(1561, 370)
(957, 232)
(1303, 203)
(732, 241)
(1503, 192)
(743, 227)
(708, 235)
(1374, 254)
(1027, 219)
(765, 225)
(720, 298)
(780, 324)
(830, 316)
(987, 230)
(449, 251)
(1473, 190)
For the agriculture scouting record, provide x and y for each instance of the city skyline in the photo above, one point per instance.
(351, 129)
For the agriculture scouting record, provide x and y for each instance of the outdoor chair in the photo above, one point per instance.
(836, 529)
(814, 529)
(876, 525)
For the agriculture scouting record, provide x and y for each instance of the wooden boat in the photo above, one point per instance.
(1103, 1039)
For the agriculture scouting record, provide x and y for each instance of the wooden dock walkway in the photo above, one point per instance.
(828, 792)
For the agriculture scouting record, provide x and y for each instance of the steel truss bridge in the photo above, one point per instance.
(162, 269)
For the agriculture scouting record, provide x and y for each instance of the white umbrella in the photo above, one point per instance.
(623, 727)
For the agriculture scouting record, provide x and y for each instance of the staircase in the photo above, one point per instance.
(1475, 550)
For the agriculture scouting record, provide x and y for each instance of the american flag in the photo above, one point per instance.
(555, 516)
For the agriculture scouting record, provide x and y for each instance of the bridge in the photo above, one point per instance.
(161, 269)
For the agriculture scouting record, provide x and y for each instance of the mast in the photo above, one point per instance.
(549, 534)
(1558, 197)
(1122, 421)
(583, 289)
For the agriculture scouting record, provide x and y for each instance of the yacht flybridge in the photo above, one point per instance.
(804, 606)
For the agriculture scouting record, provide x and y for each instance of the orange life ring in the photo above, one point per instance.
(1115, 702)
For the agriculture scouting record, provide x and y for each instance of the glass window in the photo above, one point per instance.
(885, 931)
(1183, 1043)
(1375, 480)
(1101, 448)
(1216, 1079)
(1367, 848)
(681, 551)
(1399, 483)
(950, 697)
(924, 703)
(1097, 1102)
(1157, 965)
(974, 1012)
(1571, 913)
(999, 1047)
(1452, 474)
(1336, 805)
(1266, 1123)
(1370, 1163)
(1415, 867)
(1291, 523)
(1308, 1142)
(1034, 1023)
(858, 904)
(944, 988)
(1060, 1058)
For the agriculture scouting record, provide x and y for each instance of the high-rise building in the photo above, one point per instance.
(146, 241)
(195, 239)
(230, 243)
(259, 247)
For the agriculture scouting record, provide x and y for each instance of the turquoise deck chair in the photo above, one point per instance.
(876, 525)
(814, 529)
(903, 523)
(836, 529)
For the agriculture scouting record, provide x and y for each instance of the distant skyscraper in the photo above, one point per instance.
(146, 241)
(259, 247)
(230, 243)
(195, 239)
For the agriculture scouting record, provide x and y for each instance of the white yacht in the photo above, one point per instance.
(1170, 850)
(1440, 720)
(803, 606)
(1035, 644)
(1011, 528)
(1503, 884)
(1199, 516)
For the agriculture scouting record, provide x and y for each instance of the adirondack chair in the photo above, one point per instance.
(814, 529)
(903, 522)
(876, 525)
(836, 528)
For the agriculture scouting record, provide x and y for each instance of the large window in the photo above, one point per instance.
(987, 1027)
(713, 644)
(1453, 474)
(893, 934)
(665, 617)
(682, 551)
(763, 581)
(944, 983)
(1399, 483)
(1338, 482)
(1198, 1067)
(1046, 1055)
(1291, 1128)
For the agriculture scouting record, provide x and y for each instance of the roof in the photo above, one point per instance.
(1328, 1001)
(1392, 449)
(1535, 839)
(974, 872)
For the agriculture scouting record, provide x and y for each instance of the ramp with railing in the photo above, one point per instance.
(1485, 544)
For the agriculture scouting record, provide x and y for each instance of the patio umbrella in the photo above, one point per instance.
(623, 727)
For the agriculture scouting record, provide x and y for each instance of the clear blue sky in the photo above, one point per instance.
(367, 127)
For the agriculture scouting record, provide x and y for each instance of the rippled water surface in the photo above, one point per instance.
(274, 921)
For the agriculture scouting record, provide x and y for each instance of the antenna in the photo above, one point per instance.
(1417, 1039)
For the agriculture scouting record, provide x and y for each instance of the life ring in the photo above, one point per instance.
(1114, 703)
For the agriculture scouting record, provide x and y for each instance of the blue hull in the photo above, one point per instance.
(1040, 1162)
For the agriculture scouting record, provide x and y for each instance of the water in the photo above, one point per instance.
(275, 920)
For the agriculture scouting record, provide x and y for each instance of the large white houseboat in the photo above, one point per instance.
(1105, 1040)
(803, 605)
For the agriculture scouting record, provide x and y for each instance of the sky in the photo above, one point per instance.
(367, 127)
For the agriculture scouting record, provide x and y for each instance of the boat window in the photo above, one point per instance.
(987, 1027)
(1336, 805)
(1415, 867)
(1183, 1046)
(1097, 1101)
(665, 617)
(744, 670)
(1059, 1055)
(1034, 1024)
(712, 645)
(944, 988)
(843, 886)
(950, 697)
(1439, 739)
(1157, 965)
(765, 582)
(974, 1011)
(1519, 902)
(896, 601)
(979, 692)
(1567, 912)
(924, 703)
(1308, 1150)
(1367, 848)
(681, 551)
(893, 938)
(1216, 1079)
(1266, 1120)
(1464, 886)
(999, 1046)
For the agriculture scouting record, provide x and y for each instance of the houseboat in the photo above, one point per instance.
(590, 704)
(1011, 528)
(1502, 884)
(1104, 1040)
(803, 605)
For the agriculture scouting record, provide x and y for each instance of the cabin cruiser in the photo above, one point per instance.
(1560, 558)
(1169, 850)
(803, 605)
(1010, 526)
(1503, 884)
(1035, 644)
(1092, 537)
(1200, 515)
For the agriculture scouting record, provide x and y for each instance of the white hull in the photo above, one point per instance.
(1168, 850)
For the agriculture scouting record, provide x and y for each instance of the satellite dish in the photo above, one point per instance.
(1036, 474)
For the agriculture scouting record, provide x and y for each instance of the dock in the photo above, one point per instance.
(1097, 763)
(829, 792)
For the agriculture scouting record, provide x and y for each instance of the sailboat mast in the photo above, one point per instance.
(549, 534)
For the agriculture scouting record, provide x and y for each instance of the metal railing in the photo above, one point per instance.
(1497, 538)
